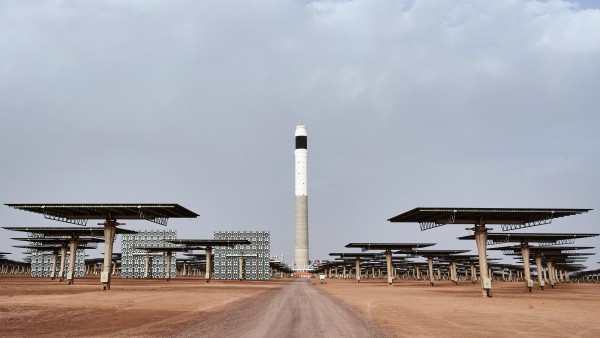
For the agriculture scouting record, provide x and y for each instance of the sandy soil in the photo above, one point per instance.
(413, 308)
(154, 308)
(38, 306)
(296, 310)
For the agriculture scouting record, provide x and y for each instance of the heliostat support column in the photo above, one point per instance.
(54, 260)
(481, 240)
(526, 269)
(388, 259)
(357, 269)
(168, 272)
(539, 268)
(301, 190)
(110, 230)
(63, 258)
(430, 271)
(208, 273)
(73, 247)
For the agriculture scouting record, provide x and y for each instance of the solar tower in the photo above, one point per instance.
(301, 190)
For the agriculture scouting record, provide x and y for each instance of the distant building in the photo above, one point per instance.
(256, 256)
(133, 261)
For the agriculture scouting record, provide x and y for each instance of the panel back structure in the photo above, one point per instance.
(133, 260)
(41, 261)
(256, 256)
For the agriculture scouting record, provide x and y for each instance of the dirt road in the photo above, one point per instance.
(31, 307)
(299, 309)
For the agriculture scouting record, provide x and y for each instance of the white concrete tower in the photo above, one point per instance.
(301, 188)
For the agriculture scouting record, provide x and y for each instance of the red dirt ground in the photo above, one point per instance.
(133, 307)
(413, 308)
(156, 308)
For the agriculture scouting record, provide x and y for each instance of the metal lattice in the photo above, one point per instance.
(133, 262)
(41, 261)
(66, 220)
(429, 225)
(153, 218)
(446, 219)
(510, 227)
(256, 255)
(496, 241)
(159, 220)
(559, 242)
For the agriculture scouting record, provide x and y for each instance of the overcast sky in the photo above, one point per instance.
(407, 104)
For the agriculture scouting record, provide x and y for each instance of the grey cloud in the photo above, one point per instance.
(407, 103)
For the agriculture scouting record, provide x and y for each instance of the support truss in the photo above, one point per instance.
(446, 219)
(569, 251)
(152, 218)
(159, 220)
(66, 220)
(429, 225)
(496, 241)
(509, 227)
(559, 242)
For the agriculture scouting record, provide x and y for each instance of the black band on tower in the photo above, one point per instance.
(301, 142)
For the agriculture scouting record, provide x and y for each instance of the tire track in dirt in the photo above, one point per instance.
(296, 310)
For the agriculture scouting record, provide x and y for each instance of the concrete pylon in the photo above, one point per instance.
(110, 230)
(481, 240)
(551, 273)
(540, 268)
(430, 265)
(147, 267)
(561, 277)
(526, 268)
(63, 258)
(388, 260)
(357, 267)
(208, 273)
(54, 261)
(168, 272)
(453, 272)
(73, 247)
(241, 268)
